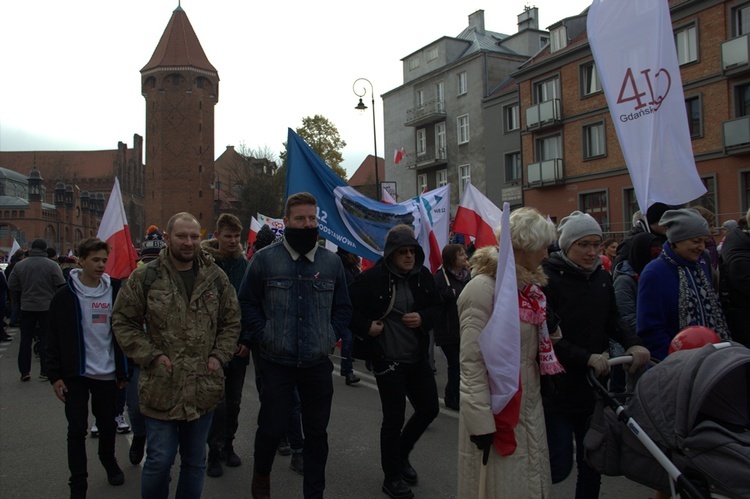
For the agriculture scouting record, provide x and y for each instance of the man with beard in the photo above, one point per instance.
(178, 318)
(296, 306)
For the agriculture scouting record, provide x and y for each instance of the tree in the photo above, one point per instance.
(323, 137)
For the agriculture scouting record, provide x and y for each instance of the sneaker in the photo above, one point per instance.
(397, 489)
(229, 457)
(137, 446)
(94, 430)
(284, 449)
(6, 337)
(213, 466)
(43, 376)
(25, 377)
(352, 378)
(122, 425)
(115, 476)
(298, 463)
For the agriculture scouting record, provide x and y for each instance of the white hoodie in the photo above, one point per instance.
(96, 311)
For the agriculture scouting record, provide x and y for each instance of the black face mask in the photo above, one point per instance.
(301, 240)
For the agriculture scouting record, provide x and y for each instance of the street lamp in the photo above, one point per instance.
(362, 107)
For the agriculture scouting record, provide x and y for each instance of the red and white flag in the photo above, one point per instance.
(386, 197)
(398, 155)
(114, 230)
(500, 343)
(13, 248)
(477, 216)
(428, 241)
(634, 48)
(255, 226)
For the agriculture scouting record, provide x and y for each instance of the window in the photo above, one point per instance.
(549, 148)
(745, 192)
(512, 118)
(413, 63)
(590, 79)
(421, 142)
(464, 177)
(462, 123)
(594, 144)
(440, 96)
(442, 178)
(595, 204)
(440, 143)
(432, 54)
(421, 183)
(420, 99)
(693, 108)
(546, 90)
(513, 170)
(559, 38)
(742, 21)
(543, 40)
(743, 100)
(686, 40)
(631, 207)
(708, 200)
(462, 84)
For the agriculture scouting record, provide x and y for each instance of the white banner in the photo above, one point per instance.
(634, 49)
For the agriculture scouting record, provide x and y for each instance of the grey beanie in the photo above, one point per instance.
(729, 225)
(575, 226)
(684, 224)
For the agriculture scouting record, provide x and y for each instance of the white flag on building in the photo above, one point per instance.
(634, 50)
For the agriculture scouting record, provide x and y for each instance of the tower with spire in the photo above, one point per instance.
(181, 88)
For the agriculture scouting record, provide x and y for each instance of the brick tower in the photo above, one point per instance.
(181, 88)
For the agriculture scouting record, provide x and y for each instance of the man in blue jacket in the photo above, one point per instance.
(84, 358)
(295, 304)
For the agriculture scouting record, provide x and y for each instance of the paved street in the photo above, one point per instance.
(33, 448)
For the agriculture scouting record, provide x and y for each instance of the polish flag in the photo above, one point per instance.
(398, 155)
(13, 248)
(500, 344)
(477, 216)
(114, 230)
(428, 241)
(255, 226)
(386, 197)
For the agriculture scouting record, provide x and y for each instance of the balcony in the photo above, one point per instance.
(735, 55)
(544, 172)
(737, 135)
(543, 114)
(430, 159)
(429, 112)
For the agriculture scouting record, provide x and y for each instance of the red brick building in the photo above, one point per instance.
(565, 115)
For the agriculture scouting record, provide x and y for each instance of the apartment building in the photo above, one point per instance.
(571, 159)
(436, 115)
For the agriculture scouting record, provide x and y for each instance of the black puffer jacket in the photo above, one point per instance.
(371, 294)
(585, 304)
(734, 284)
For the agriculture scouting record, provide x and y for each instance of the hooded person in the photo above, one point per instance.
(395, 304)
(580, 291)
(675, 290)
(648, 223)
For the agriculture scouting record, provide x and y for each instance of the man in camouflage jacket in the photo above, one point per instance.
(179, 320)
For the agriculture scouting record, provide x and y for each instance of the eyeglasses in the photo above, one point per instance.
(585, 245)
(406, 251)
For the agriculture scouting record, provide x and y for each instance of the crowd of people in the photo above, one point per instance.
(175, 340)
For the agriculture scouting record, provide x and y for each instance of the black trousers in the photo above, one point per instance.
(29, 322)
(396, 382)
(77, 412)
(226, 415)
(315, 387)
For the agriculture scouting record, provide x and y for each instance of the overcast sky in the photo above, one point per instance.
(71, 69)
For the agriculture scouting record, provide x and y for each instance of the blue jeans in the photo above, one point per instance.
(137, 422)
(561, 429)
(164, 438)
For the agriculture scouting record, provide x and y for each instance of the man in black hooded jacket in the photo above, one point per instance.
(395, 304)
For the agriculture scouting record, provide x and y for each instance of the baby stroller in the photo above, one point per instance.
(693, 425)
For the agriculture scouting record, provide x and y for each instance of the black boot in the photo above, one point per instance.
(213, 467)
(397, 489)
(136, 450)
(229, 457)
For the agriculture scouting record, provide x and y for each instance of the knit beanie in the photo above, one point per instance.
(264, 238)
(655, 211)
(575, 226)
(684, 224)
(729, 225)
(153, 243)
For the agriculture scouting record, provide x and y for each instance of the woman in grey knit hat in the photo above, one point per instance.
(675, 290)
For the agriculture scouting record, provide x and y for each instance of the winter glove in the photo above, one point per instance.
(599, 363)
(483, 443)
(641, 357)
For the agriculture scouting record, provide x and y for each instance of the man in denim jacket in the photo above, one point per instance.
(295, 305)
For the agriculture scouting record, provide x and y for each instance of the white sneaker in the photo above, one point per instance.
(94, 430)
(122, 425)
